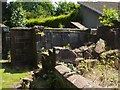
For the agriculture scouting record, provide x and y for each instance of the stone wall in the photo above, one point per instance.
(63, 37)
(64, 77)
(110, 34)
(5, 42)
(23, 46)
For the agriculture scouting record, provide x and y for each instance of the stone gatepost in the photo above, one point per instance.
(23, 47)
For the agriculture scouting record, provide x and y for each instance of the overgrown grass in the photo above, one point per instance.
(11, 75)
(9, 79)
(102, 74)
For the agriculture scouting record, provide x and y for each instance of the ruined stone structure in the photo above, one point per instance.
(23, 46)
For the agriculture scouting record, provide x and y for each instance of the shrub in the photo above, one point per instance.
(15, 15)
(65, 7)
(55, 21)
(18, 16)
(109, 16)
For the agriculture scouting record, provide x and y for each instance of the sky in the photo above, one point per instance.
(74, 0)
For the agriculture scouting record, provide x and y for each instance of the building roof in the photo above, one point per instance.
(98, 6)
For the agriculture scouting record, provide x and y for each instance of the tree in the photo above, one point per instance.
(15, 15)
(16, 12)
(38, 9)
(65, 7)
(18, 15)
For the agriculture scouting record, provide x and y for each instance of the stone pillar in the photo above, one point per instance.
(23, 47)
(49, 61)
(52, 59)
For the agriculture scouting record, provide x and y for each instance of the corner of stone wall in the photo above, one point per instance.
(68, 79)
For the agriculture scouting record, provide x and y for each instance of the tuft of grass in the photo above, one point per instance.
(102, 74)
(9, 79)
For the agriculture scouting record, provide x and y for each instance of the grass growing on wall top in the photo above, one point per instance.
(55, 21)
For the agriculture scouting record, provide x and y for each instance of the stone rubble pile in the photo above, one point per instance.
(91, 51)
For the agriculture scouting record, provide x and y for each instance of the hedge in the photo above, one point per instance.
(55, 21)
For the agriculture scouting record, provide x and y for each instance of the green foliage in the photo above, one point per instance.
(60, 25)
(18, 16)
(46, 9)
(110, 58)
(82, 67)
(14, 15)
(65, 7)
(39, 12)
(109, 16)
(103, 74)
(11, 75)
(67, 46)
(55, 21)
(38, 9)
